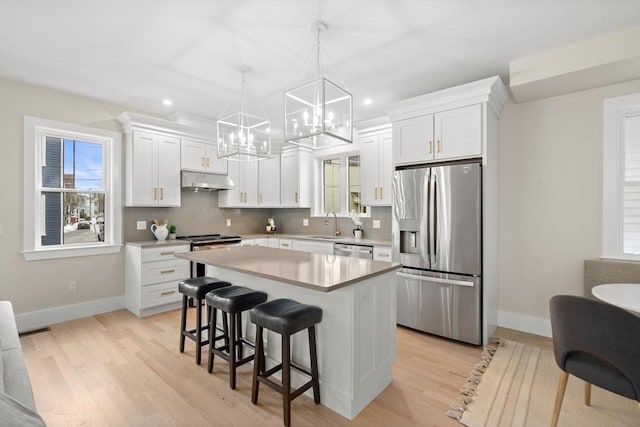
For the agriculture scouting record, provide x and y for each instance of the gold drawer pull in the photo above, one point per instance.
(286, 245)
(161, 193)
(381, 193)
(383, 255)
(167, 293)
(173, 270)
(155, 193)
(429, 147)
(167, 253)
(438, 146)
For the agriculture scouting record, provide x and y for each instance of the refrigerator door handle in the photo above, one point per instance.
(435, 218)
(436, 280)
(431, 219)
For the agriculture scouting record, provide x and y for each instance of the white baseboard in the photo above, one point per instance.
(43, 318)
(524, 322)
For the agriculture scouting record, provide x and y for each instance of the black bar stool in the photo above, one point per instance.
(196, 288)
(285, 317)
(232, 301)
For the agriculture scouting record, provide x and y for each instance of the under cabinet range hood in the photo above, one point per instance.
(198, 181)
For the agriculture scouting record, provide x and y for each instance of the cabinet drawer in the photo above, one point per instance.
(163, 293)
(164, 271)
(285, 244)
(382, 254)
(165, 252)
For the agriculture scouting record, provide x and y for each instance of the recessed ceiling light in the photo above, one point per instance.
(167, 102)
(367, 101)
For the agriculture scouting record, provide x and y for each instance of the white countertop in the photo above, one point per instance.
(158, 243)
(320, 272)
(624, 295)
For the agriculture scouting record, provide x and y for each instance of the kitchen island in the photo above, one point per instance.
(356, 338)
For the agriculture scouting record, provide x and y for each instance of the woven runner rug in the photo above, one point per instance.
(515, 385)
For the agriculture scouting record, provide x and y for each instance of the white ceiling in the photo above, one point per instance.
(135, 53)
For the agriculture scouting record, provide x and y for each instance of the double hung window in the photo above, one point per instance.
(341, 184)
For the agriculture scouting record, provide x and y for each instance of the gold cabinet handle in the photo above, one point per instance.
(173, 270)
(202, 161)
(260, 198)
(167, 253)
(296, 197)
(155, 193)
(375, 193)
(167, 293)
(437, 146)
(208, 162)
(286, 245)
(429, 147)
(381, 193)
(161, 193)
(383, 255)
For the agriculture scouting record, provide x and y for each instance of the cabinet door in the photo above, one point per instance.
(458, 133)
(144, 173)
(289, 193)
(193, 155)
(168, 171)
(369, 170)
(250, 183)
(269, 182)
(413, 140)
(214, 164)
(232, 198)
(385, 167)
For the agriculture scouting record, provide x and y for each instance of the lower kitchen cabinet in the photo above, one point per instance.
(382, 253)
(152, 274)
(313, 246)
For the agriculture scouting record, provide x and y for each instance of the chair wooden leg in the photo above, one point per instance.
(314, 364)
(212, 341)
(239, 333)
(286, 379)
(232, 351)
(587, 393)
(198, 333)
(258, 363)
(183, 322)
(562, 386)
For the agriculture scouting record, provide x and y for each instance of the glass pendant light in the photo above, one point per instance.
(242, 136)
(318, 114)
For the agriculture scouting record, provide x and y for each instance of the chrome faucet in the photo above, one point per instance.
(335, 222)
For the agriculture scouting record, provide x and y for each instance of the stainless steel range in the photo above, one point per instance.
(205, 242)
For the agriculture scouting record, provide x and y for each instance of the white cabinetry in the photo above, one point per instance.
(296, 177)
(151, 278)
(245, 193)
(201, 157)
(452, 134)
(269, 182)
(382, 253)
(152, 169)
(313, 246)
(376, 168)
(285, 244)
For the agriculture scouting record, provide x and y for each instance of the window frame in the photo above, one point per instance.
(615, 111)
(34, 129)
(344, 156)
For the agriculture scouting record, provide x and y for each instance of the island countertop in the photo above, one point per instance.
(320, 272)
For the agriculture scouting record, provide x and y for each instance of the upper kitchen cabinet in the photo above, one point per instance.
(376, 166)
(245, 193)
(201, 157)
(450, 124)
(152, 169)
(295, 178)
(269, 182)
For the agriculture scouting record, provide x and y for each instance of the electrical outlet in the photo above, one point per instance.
(229, 222)
(73, 286)
(305, 222)
(376, 223)
(141, 225)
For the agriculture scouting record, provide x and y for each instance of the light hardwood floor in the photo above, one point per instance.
(117, 370)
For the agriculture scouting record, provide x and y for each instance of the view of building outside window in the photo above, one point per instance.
(73, 192)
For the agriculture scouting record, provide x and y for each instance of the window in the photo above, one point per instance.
(341, 185)
(72, 192)
(621, 178)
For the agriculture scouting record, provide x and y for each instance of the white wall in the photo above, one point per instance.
(550, 200)
(39, 285)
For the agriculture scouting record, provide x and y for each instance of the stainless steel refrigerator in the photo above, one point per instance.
(437, 237)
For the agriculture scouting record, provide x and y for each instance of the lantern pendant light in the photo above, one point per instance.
(318, 114)
(242, 136)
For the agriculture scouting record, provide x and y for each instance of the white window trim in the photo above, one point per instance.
(341, 152)
(615, 110)
(34, 126)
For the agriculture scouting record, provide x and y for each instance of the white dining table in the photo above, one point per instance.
(624, 295)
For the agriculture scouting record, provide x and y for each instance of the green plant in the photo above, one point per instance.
(172, 229)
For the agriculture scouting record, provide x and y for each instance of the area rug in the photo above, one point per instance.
(515, 385)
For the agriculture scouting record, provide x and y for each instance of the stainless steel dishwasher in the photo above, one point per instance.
(355, 251)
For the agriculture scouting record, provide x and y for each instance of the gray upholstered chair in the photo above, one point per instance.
(596, 342)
